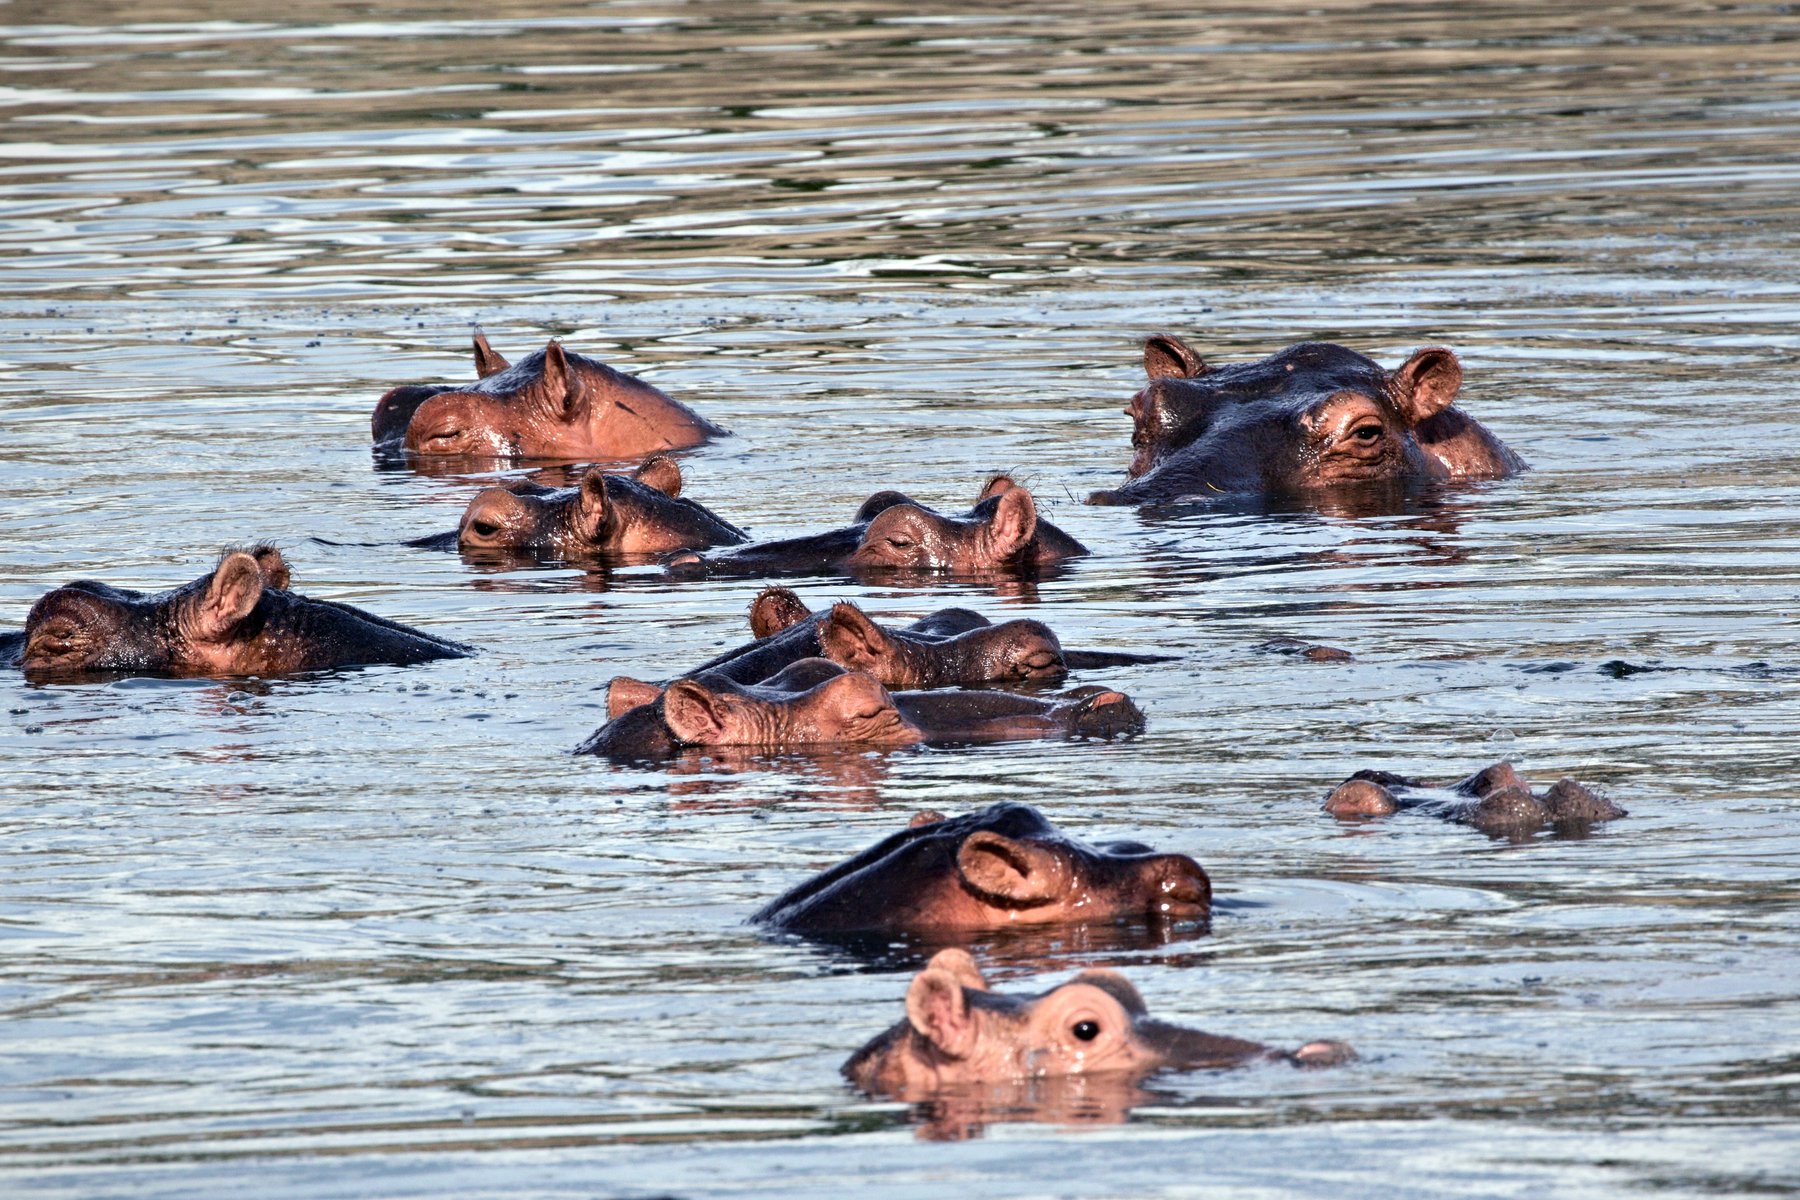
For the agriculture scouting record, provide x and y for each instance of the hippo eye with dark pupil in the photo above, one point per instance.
(1087, 1031)
(484, 528)
(1366, 433)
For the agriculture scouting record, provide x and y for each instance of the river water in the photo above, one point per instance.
(376, 932)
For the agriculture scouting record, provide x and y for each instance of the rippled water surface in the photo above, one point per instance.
(376, 932)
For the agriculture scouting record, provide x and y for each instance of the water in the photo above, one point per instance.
(376, 933)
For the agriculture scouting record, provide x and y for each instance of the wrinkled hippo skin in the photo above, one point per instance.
(606, 516)
(1005, 865)
(1494, 800)
(1314, 416)
(954, 647)
(553, 403)
(239, 619)
(816, 703)
(957, 1032)
(892, 532)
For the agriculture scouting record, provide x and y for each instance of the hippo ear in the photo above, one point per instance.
(1425, 384)
(488, 361)
(693, 713)
(592, 509)
(231, 595)
(558, 382)
(274, 568)
(1167, 356)
(1014, 523)
(996, 485)
(625, 693)
(776, 609)
(960, 963)
(1009, 871)
(661, 472)
(853, 641)
(939, 1012)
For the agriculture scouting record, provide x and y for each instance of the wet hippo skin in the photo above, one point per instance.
(239, 619)
(606, 517)
(954, 647)
(893, 533)
(1315, 416)
(553, 404)
(1494, 800)
(957, 1032)
(816, 703)
(1004, 865)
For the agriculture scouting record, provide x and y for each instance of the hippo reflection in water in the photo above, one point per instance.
(953, 647)
(1494, 800)
(893, 532)
(551, 404)
(817, 703)
(957, 1032)
(239, 619)
(1314, 417)
(1005, 865)
(606, 516)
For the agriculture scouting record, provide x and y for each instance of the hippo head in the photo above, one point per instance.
(847, 707)
(394, 411)
(1001, 867)
(958, 1032)
(1314, 416)
(88, 627)
(551, 404)
(1011, 652)
(907, 536)
(598, 514)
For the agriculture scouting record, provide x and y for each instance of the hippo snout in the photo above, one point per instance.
(685, 564)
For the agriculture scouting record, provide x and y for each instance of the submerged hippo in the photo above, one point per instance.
(892, 532)
(954, 647)
(1494, 800)
(240, 619)
(816, 703)
(605, 516)
(957, 1032)
(1004, 865)
(553, 403)
(1314, 416)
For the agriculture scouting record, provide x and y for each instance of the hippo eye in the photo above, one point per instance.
(483, 528)
(1086, 1031)
(1366, 433)
(444, 439)
(900, 543)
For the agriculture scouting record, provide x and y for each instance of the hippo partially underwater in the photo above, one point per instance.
(607, 516)
(958, 1032)
(1313, 417)
(238, 619)
(892, 532)
(953, 647)
(1002, 866)
(552, 404)
(815, 703)
(1494, 800)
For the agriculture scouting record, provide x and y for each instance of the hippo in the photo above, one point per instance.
(1005, 865)
(1494, 800)
(957, 1033)
(816, 703)
(553, 403)
(892, 532)
(1312, 417)
(954, 647)
(239, 619)
(608, 516)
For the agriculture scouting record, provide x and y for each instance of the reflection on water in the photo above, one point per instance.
(379, 924)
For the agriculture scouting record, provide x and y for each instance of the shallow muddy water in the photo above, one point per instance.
(376, 932)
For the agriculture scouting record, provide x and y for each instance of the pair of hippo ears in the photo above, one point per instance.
(1421, 387)
(234, 589)
(556, 383)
